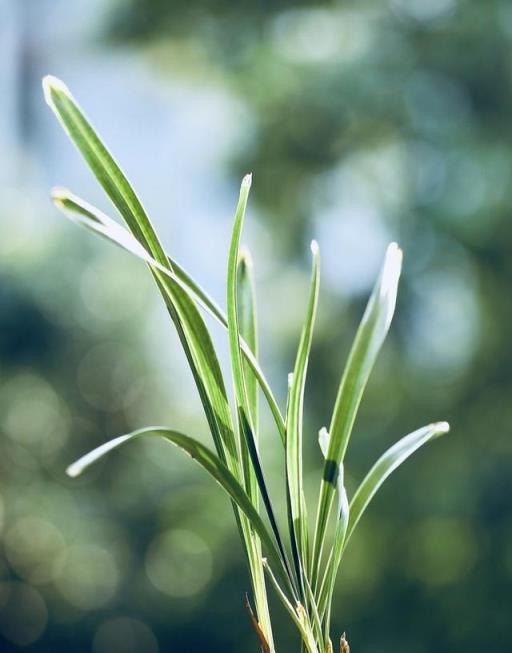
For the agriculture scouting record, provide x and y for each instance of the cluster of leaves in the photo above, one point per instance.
(301, 570)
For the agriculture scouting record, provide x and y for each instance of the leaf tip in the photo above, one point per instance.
(247, 181)
(441, 428)
(59, 195)
(50, 84)
(393, 261)
(245, 257)
(314, 247)
(323, 440)
(74, 470)
(390, 276)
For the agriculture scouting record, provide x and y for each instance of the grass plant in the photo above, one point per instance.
(300, 566)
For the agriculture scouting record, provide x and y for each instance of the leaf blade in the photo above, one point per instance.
(294, 426)
(386, 465)
(248, 327)
(249, 333)
(246, 427)
(369, 338)
(102, 163)
(206, 459)
(88, 216)
(192, 331)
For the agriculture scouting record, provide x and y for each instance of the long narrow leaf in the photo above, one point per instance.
(102, 164)
(386, 465)
(192, 331)
(248, 332)
(331, 570)
(240, 386)
(294, 419)
(315, 614)
(88, 216)
(367, 344)
(248, 328)
(208, 460)
(342, 518)
(295, 613)
(190, 326)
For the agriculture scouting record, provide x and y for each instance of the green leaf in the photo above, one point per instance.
(334, 560)
(386, 465)
(294, 426)
(314, 614)
(335, 555)
(248, 331)
(363, 354)
(323, 440)
(208, 461)
(297, 614)
(239, 381)
(102, 164)
(248, 327)
(237, 366)
(88, 216)
(192, 331)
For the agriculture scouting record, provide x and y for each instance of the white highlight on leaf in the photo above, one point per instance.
(51, 83)
(389, 280)
(323, 440)
(76, 468)
(247, 181)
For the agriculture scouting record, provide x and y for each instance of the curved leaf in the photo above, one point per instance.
(335, 555)
(386, 465)
(208, 461)
(102, 164)
(363, 354)
(88, 216)
(192, 331)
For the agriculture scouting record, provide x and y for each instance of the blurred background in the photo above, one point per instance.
(362, 122)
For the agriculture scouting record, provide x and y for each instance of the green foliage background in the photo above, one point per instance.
(373, 116)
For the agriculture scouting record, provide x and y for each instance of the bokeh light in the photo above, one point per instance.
(124, 635)
(23, 613)
(179, 563)
(35, 550)
(89, 576)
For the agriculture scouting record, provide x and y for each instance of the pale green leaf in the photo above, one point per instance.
(367, 344)
(237, 366)
(85, 214)
(208, 461)
(248, 327)
(386, 465)
(102, 164)
(192, 331)
(296, 613)
(294, 426)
